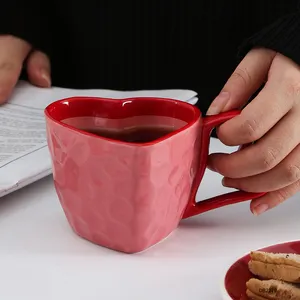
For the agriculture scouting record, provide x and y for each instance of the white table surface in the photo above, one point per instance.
(42, 259)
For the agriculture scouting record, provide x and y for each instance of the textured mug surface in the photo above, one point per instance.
(121, 195)
(128, 196)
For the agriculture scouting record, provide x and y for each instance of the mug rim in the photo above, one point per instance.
(198, 116)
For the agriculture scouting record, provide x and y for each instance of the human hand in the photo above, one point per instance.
(272, 118)
(13, 53)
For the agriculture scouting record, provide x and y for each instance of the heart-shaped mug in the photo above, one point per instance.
(126, 195)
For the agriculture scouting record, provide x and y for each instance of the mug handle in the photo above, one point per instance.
(194, 208)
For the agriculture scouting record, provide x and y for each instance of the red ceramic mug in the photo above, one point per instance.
(129, 196)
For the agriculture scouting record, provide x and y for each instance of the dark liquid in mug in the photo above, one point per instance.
(134, 135)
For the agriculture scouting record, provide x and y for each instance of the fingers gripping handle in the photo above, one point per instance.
(193, 208)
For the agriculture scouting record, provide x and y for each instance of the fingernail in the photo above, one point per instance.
(218, 104)
(46, 77)
(259, 209)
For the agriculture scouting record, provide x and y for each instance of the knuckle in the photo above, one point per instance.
(242, 75)
(293, 89)
(292, 173)
(251, 130)
(285, 193)
(269, 159)
(296, 185)
(292, 86)
(282, 195)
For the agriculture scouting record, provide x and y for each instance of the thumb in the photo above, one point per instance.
(247, 78)
(13, 52)
(38, 69)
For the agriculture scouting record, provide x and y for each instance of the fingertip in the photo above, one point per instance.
(210, 166)
(3, 98)
(218, 105)
(213, 161)
(260, 205)
(6, 88)
(226, 182)
(226, 134)
(260, 209)
(38, 69)
(41, 78)
(46, 79)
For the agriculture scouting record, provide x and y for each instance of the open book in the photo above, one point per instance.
(24, 156)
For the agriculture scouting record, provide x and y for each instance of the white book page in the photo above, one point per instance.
(24, 156)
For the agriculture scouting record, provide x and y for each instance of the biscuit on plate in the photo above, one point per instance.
(280, 266)
(271, 290)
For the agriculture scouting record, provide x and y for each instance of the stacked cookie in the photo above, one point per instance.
(278, 275)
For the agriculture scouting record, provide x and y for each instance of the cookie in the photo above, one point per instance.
(271, 290)
(280, 266)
